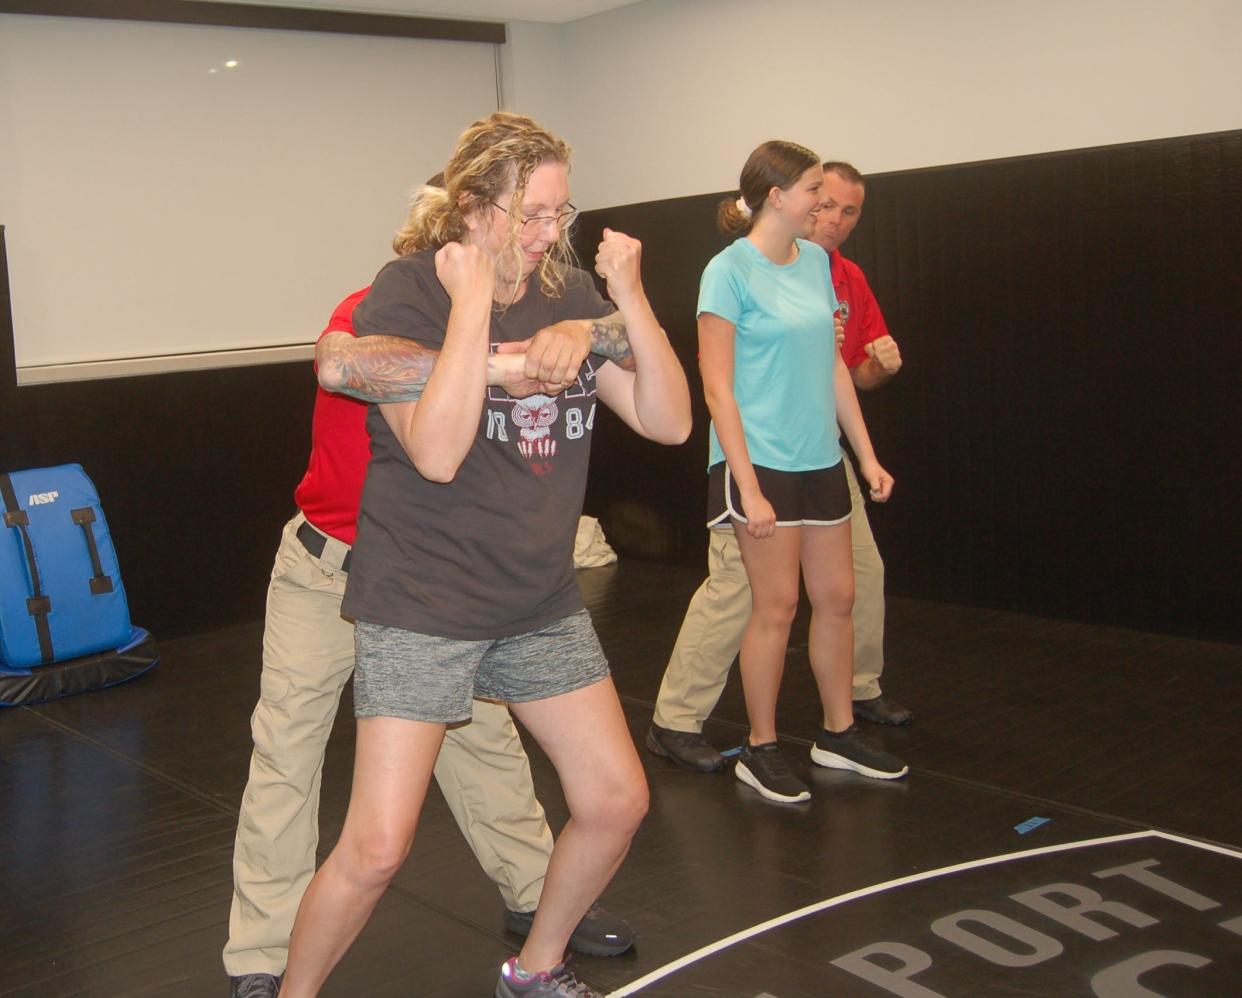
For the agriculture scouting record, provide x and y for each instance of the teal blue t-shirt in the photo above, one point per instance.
(783, 353)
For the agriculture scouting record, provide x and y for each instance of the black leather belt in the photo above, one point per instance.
(314, 542)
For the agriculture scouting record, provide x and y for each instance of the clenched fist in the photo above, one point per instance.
(552, 358)
(619, 263)
(884, 352)
(879, 481)
(466, 272)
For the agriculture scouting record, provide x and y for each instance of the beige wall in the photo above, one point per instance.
(665, 98)
(158, 201)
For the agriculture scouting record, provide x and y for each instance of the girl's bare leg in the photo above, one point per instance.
(772, 567)
(585, 735)
(392, 768)
(828, 571)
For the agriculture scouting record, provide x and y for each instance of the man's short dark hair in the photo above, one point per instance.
(845, 171)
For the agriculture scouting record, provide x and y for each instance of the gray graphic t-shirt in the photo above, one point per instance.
(489, 554)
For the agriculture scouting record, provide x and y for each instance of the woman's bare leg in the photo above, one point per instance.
(392, 768)
(585, 735)
(772, 567)
(828, 571)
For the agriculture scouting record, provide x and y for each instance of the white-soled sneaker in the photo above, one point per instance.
(763, 767)
(850, 749)
(559, 982)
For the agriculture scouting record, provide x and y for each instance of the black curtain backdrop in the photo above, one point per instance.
(195, 473)
(1066, 428)
(1064, 433)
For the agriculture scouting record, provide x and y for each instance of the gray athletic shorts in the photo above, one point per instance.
(400, 673)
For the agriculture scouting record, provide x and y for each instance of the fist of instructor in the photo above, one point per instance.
(883, 350)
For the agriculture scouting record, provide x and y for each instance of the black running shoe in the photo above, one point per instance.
(850, 749)
(254, 986)
(763, 767)
(600, 933)
(882, 710)
(688, 749)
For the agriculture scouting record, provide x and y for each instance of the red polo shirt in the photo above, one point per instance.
(866, 321)
(331, 489)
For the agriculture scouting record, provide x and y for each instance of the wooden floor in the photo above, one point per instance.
(117, 812)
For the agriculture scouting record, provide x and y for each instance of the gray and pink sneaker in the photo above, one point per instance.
(559, 982)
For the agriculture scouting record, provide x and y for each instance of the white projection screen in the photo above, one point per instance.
(177, 194)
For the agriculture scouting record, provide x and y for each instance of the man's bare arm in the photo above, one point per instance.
(374, 368)
(396, 369)
(882, 363)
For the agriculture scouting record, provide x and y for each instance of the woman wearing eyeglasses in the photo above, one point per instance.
(777, 388)
(462, 582)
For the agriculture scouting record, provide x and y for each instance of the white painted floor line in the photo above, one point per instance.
(1223, 850)
(635, 986)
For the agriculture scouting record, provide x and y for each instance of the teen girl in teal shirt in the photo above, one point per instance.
(777, 388)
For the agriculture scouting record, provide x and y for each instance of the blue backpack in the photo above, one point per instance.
(61, 595)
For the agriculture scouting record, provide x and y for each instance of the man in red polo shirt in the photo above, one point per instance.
(308, 656)
(711, 632)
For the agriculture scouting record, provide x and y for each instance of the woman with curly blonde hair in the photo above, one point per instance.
(462, 580)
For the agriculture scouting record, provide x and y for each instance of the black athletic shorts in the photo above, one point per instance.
(816, 498)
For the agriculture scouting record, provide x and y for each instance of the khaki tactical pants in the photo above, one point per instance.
(308, 656)
(711, 632)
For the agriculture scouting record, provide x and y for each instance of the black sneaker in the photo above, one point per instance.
(254, 986)
(763, 767)
(559, 982)
(882, 710)
(600, 933)
(686, 748)
(850, 749)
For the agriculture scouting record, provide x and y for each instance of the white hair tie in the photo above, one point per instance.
(743, 208)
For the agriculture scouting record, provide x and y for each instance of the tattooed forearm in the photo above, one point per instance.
(394, 369)
(608, 339)
(374, 368)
